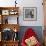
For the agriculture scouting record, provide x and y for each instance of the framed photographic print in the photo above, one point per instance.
(30, 13)
(13, 12)
(5, 12)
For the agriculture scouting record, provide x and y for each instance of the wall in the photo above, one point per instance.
(38, 5)
(26, 3)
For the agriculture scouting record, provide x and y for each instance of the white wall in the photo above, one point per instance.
(26, 3)
(38, 5)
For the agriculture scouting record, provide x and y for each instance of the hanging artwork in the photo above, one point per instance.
(30, 13)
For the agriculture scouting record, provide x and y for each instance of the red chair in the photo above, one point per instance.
(29, 33)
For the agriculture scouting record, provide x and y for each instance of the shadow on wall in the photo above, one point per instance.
(37, 29)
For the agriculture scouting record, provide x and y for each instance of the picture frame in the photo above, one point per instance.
(13, 12)
(30, 13)
(5, 12)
